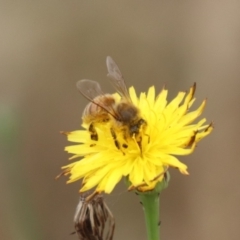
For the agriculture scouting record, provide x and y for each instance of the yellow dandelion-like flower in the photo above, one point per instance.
(140, 152)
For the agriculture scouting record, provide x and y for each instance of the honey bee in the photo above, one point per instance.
(102, 107)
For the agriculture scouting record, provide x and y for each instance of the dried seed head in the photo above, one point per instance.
(93, 219)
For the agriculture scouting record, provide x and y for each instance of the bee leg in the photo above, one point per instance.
(138, 139)
(139, 142)
(93, 132)
(141, 124)
(147, 136)
(115, 138)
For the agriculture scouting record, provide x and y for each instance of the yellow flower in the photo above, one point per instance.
(169, 131)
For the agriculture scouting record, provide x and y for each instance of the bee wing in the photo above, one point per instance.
(117, 79)
(89, 89)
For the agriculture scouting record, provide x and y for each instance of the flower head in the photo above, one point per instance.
(169, 131)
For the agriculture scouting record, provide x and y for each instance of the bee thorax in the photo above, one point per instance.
(127, 112)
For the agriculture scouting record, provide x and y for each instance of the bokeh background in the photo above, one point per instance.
(47, 46)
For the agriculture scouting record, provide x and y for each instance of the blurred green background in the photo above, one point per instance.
(47, 46)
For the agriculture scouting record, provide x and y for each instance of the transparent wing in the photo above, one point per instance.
(89, 89)
(117, 79)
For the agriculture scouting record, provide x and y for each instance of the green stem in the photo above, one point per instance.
(150, 202)
(151, 206)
